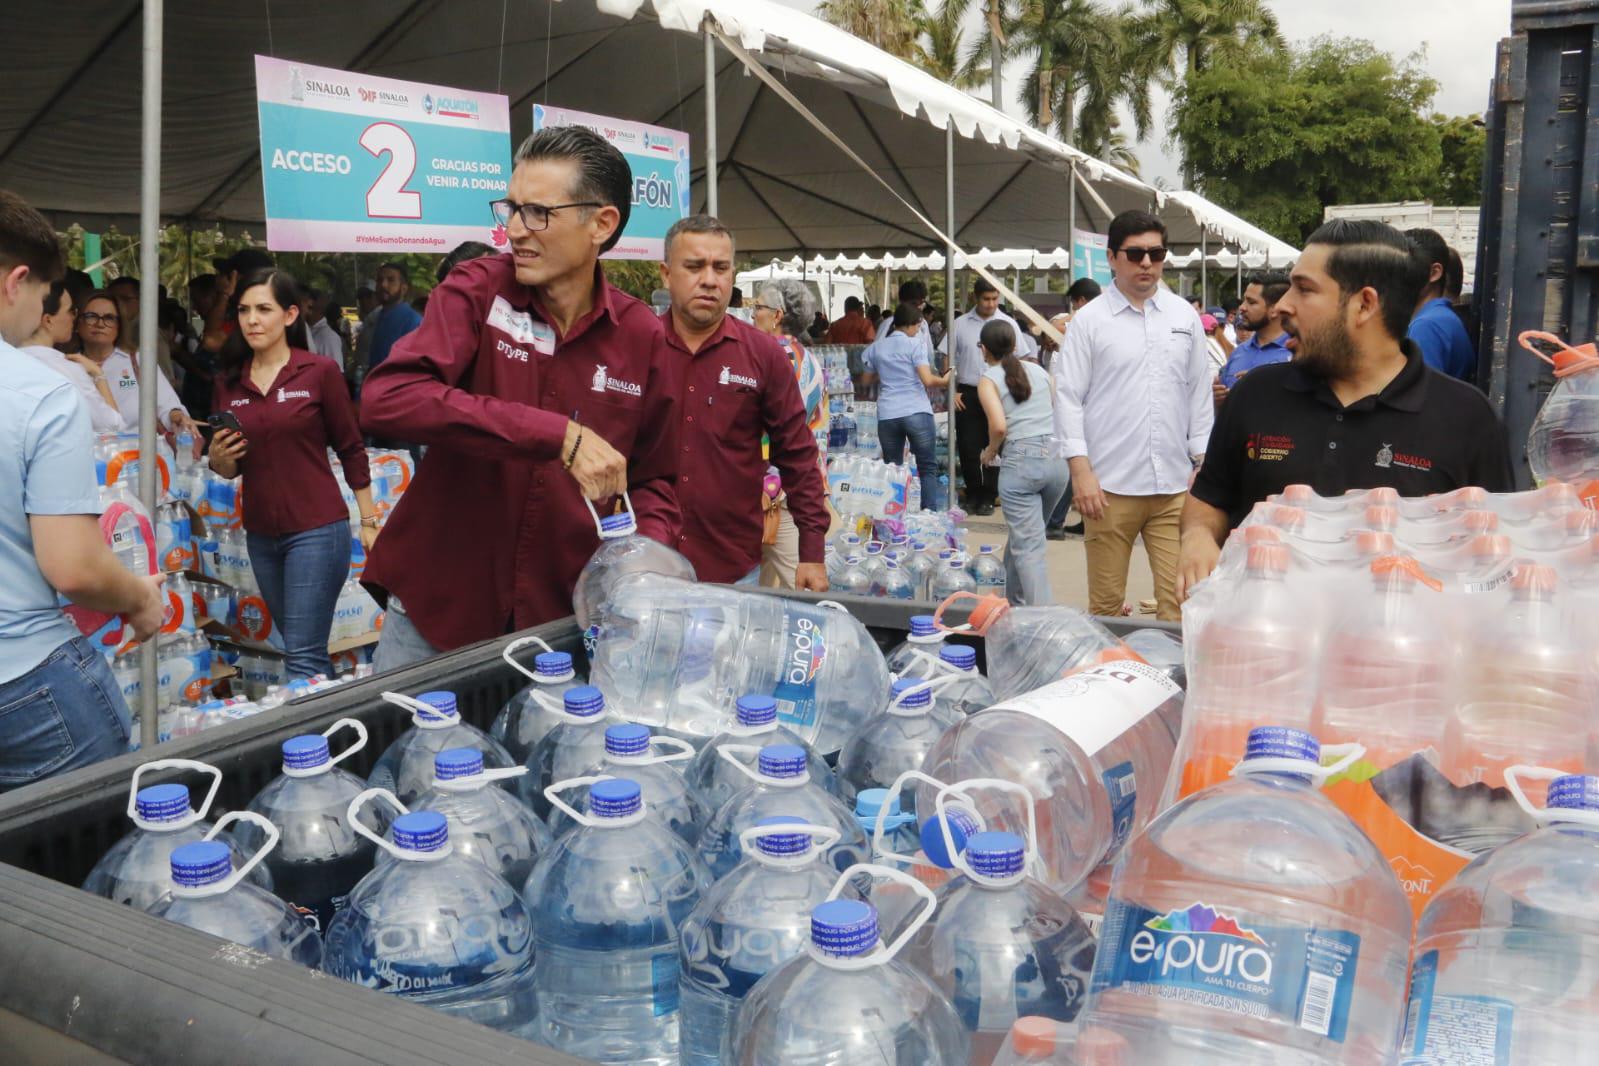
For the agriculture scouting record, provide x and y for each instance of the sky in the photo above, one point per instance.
(1459, 35)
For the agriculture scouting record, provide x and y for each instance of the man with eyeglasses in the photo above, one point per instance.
(1133, 414)
(539, 389)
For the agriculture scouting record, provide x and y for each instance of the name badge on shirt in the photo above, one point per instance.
(521, 326)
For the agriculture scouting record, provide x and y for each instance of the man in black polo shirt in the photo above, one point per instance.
(1356, 408)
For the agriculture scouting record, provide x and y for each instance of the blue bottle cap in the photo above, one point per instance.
(443, 704)
(960, 656)
(1280, 742)
(1574, 792)
(618, 523)
(162, 803)
(844, 928)
(783, 845)
(922, 625)
(627, 739)
(956, 562)
(204, 862)
(306, 753)
(987, 549)
(920, 546)
(584, 701)
(868, 801)
(552, 664)
(421, 831)
(615, 797)
(995, 854)
(452, 763)
(962, 826)
(922, 697)
(781, 760)
(756, 710)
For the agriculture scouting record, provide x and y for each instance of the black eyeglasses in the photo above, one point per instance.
(535, 217)
(91, 318)
(1138, 255)
(767, 307)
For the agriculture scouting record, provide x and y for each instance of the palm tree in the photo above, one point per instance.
(1198, 31)
(940, 40)
(1080, 69)
(888, 24)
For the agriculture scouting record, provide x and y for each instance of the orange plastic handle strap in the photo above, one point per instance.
(1567, 360)
(1388, 564)
(970, 627)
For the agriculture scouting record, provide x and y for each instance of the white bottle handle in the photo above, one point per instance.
(896, 705)
(1319, 774)
(731, 753)
(879, 848)
(834, 604)
(1544, 816)
(957, 857)
(553, 795)
(518, 644)
(822, 838)
(435, 718)
(684, 751)
(389, 846)
(882, 954)
(173, 764)
(627, 502)
(228, 883)
(481, 779)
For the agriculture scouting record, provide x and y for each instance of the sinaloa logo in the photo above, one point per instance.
(1199, 941)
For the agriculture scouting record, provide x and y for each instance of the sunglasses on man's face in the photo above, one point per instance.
(1139, 255)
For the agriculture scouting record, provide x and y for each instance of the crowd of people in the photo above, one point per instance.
(537, 394)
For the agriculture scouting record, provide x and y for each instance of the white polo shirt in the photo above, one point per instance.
(119, 372)
(969, 364)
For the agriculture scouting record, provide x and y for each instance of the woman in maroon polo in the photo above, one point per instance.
(293, 407)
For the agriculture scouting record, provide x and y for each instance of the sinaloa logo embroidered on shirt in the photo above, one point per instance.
(1385, 456)
(285, 395)
(603, 382)
(727, 377)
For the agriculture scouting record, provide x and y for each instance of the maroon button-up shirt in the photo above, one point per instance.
(739, 385)
(289, 487)
(493, 531)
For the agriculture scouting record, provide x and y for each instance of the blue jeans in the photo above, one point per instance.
(1057, 517)
(300, 575)
(1032, 481)
(401, 645)
(64, 714)
(919, 429)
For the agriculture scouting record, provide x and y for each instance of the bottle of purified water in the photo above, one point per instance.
(536, 709)
(922, 644)
(874, 566)
(574, 745)
(208, 894)
(853, 580)
(320, 858)
(847, 999)
(953, 577)
(896, 583)
(897, 737)
(778, 785)
(137, 870)
(1255, 922)
(988, 572)
(748, 922)
(486, 823)
(667, 795)
(623, 550)
(715, 779)
(962, 688)
(1507, 951)
(406, 768)
(608, 900)
(441, 929)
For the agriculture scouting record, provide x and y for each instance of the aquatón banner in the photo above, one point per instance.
(355, 163)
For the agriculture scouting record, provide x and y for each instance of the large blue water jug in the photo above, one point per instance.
(574, 745)
(607, 901)
(137, 870)
(439, 928)
(406, 768)
(208, 894)
(755, 718)
(486, 823)
(320, 858)
(666, 794)
(847, 999)
(778, 785)
(535, 710)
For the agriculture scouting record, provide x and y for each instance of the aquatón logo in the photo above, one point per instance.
(1200, 941)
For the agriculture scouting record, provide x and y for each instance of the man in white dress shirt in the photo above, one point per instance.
(1133, 415)
(971, 425)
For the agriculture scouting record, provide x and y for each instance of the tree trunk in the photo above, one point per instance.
(996, 54)
(1046, 86)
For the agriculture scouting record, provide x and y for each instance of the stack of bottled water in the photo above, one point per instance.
(862, 485)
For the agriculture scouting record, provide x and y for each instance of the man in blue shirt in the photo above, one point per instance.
(1436, 329)
(1267, 343)
(60, 706)
(397, 317)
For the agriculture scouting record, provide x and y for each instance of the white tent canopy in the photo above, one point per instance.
(69, 129)
(1013, 259)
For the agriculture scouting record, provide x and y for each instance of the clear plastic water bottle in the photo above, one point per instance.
(320, 858)
(208, 894)
(608, 901)
(916, 565)
(715, 780)
(900, 831)
(438, 928)
(748, 922)
(853, 580)
(778, 785)
(406, 768)
(922, 644)
(1093, 749)
(1564, 442)
(988, 571)
(137, 869)
(847, 999)
(1160, 649)
(896, 583)
(486, 823)
(952, 578)
(573, 746)
(1029, 647)
(536, 709)
(676, 656)
(1001, 944)
(1254, 922)
(622, 551)
(667, 794)
(874, 566)
(896, 738)
(962, 689)
(1506, 952)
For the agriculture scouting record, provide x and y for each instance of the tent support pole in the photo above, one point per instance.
(710, 123)
(1240, 271)
(949, 293)
(1071, 227)
(149, 368)
(1204, 267)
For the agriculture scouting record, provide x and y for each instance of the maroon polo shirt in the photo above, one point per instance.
(289, 487)
(739, 385)
(493, 531)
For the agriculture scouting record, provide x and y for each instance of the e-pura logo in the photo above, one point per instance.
(1199, 941)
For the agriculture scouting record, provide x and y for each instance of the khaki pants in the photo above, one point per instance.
(779, 561)
(1108, 543)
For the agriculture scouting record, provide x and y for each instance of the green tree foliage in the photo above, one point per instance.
(888, 24)
(1463, 140)
(1275, 136)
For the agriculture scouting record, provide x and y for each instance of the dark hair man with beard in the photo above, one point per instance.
(1355, 408)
